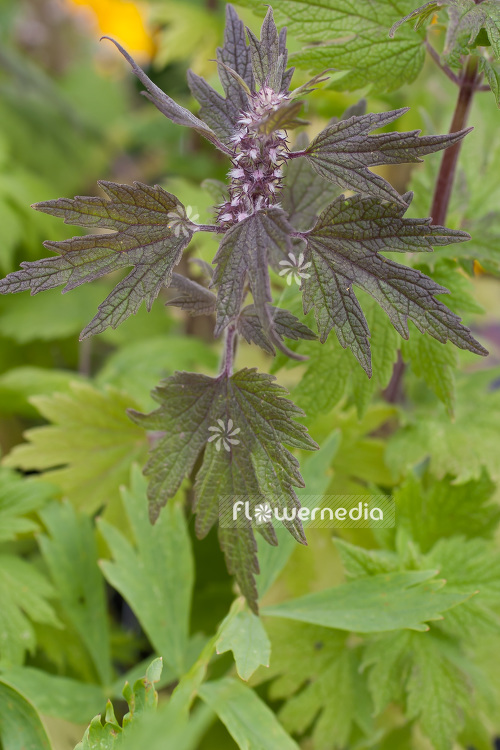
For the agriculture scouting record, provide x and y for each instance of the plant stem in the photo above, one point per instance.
(229, 348)
(444, 184)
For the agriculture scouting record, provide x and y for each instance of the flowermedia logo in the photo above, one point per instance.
(334, 511)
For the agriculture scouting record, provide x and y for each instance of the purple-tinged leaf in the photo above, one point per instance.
(343, 249)
(167, 106)
(236, 55)
(216, 111)
(268, 62)
(151, 231)
(193, 297)
(286, 325)
(305, 192)
(243, 257)
(343, 152)
(240, 425)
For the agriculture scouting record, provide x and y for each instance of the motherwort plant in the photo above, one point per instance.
(281, 209)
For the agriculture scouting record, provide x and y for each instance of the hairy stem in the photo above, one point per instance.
(229, 350)
(444, 184)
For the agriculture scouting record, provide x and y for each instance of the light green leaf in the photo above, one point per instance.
(307, 661)
(435, 363)
(462, 448)
(52, 695)
(91, 436)
(142, 700)
(18, 498)
(437, 691)
(436, 509)
(136, 366)
(353, 38)
(24, 592)
(369, 605)
(20, 725)
(245, 635)
(251, 724)
(20, 383)
(70, 552)
(272, 559)
(155, 577)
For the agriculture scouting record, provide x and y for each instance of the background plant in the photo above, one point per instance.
(405, 683)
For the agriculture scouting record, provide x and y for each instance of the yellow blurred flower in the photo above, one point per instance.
(124, 20)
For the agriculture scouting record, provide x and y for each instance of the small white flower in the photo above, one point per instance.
(263, 513)
(224, 435)
(294, 269)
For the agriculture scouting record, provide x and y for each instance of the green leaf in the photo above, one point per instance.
(19, 384)
(314, 470)
(466, 20)
(343, 249)
(461, 448)
(437, 691)
(155, 577)
(24, 593)
(469, 564)
(52, 695)
(90, 436)
(383, 602)
(333, 371)
(151, 230)
(134, 367)
(306, 661)
(241, 423)
(20, 725)
(18, 498)
(434, 363)
(342, 153)
(247, 718)
(245, 636)
(142, 701)
(492, 73)
(70, 552)
(440, 508)
(354, 39)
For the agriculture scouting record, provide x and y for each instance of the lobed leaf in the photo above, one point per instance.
(342, 152)
(167, 106)
(343, 249)
(252, 422)
(88, 448)
(151, 231)
(155, 576)
(353, 38)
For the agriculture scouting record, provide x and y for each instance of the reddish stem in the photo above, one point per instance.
(444, 184)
